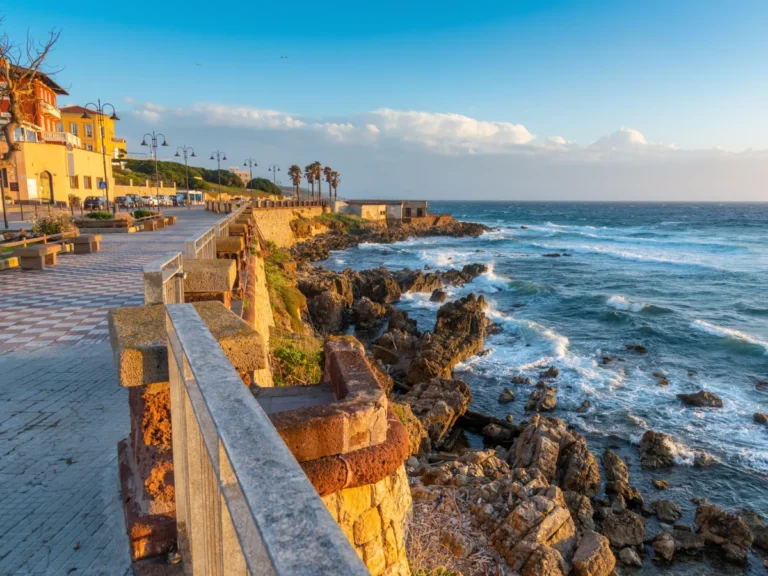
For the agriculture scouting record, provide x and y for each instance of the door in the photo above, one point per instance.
(46, 188)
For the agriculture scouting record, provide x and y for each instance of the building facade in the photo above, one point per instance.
(383, 209)
(244, 175)
(41, 115)
(93, 129)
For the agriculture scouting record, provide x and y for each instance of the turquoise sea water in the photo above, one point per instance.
(688, 281)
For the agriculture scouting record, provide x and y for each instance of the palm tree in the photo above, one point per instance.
(317, 175)
(295, 173)
(335, 179)
(309, 174)
(327, 171)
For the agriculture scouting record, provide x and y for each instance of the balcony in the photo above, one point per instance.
(118, 140)
(61, 138)
(50, 109)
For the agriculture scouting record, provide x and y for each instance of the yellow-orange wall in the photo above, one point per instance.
(69, 119)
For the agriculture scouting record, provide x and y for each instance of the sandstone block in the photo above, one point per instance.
(367, 527)
(209, 275)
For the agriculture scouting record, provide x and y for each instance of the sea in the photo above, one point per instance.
(689, 282)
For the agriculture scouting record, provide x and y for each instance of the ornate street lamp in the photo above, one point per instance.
(153, 140)
(98, 109)
(186, 153)
(274, 168)
(250, 163)
(219, 156)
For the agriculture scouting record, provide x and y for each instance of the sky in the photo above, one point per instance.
(549, 100)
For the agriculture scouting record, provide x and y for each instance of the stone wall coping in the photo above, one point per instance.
(38, 250)
(230, 244)
(209, 275)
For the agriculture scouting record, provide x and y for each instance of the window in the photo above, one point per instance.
(407, 212)
(89, 147)
(73, 128)
(99, 183)
(60, 127)
(89, 130)
(87, 182)
(73, 183)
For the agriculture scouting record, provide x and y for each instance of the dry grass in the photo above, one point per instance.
(430, 521)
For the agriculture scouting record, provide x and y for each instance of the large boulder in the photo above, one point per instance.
(702, 399)
(542, 399)
(666, 511)
(624, 528)
(614, 466)
(581, 510)
(593, 557)
(328, 312)
(368, 314)
(438, 403)
(728, 531)
(377, 284)
(656, 450)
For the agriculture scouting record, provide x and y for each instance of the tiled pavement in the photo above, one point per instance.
(61, 411)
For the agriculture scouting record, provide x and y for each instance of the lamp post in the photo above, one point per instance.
(186, 153)
(274, 168)
(98, 109)
(153, 139)
(250, 163)
(219, 156)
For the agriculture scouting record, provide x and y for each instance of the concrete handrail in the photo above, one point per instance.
(164, 280)
(243, 504)
(201, 246)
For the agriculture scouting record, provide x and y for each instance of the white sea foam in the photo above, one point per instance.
(620, 303)
(728, 333)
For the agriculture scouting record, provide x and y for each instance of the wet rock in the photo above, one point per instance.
(760, 418)
(687, 541)
(664, 545)
(385, 355)
(702, 399)
(720, 528)
(542, 399)
(624, 529)
(418, 281)
(327, 311)
(438, 296)
(510, 418)
(636, 348)
(460, 545)
(551, 372)
(520, 380)
(593, 557)
(614, 467)
(506, 396)
(581, 510)
(702, 460)
(399, 320)
(762, 385)
(606, 360)
(631, 495)
(472, 271)
(666, 511)
(661, 379)
(368, 314)
(378, 285)
(629, 557)
(438, 403)
(656, 451)
(584, 407)
(660, 484)
(497, 434)
(551, 255)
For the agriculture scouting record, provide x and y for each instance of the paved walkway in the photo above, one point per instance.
(61, 411)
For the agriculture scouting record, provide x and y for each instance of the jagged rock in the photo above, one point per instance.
(506, 396)
(418, 441)
(545, 445)
(520, 380)
(368, 314)
(385, 355)
(418, 281)
(581, 510)
(656, 450)
(664, 545)
(630, 495)
(624, 528)
(666, 511)
(722, 529)
(399, 320)
(378, 285)
(538, 534)
(637, 348)
(702, 399)
(510, 418)
(584, 407)
(438, 296)
(460, 545)
(762, 385)
(551, 372)
(687, 541)
(542, 399)
(437, 403)
(472, 271)
(660, 484)
(327, 311)
(760, 418)
(702, 460)
(496, 433)
(593, 557)
(614, 466)
(629, 557)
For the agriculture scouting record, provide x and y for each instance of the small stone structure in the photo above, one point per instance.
(86, 243)
(209, 280)
(37, 257)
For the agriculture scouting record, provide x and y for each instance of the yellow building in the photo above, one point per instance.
(88, 130)
(49, 173)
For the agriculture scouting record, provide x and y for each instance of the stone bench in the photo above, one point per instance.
(37, 257)
(86, 243)
(208, 279)
(170, 220)
(150, 226)
(161, 222)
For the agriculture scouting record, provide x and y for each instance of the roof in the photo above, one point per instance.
(79, 110)
(45, 79)
(374, 202)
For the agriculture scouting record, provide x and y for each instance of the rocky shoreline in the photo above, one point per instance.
(535, 498)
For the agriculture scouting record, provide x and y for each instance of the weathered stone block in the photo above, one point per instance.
(367, 527)
(208, 275)
(150, 226)
(86, 243)
(37, 257)
(230, 245)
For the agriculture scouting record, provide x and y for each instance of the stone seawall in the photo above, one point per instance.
(275, 223)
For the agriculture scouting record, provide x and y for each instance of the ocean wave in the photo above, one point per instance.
(530, 330)
(729, 334)
(621, 303)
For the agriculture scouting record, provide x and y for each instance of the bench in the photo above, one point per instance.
(171, 220)
(150, 226)
(86, 243)
(37, 257)
(160, 222)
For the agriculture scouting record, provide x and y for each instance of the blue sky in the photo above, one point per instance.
(693, 74)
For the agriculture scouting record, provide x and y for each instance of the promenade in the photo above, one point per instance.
(61, 410)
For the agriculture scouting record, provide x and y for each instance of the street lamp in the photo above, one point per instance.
(274, 168)
(186, 153)
(153, 139)
(250, 163)
(219, 156)
(99, 108)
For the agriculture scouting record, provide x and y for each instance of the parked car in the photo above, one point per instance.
(95, 203)
(137, 201)
(166, 200)
(180, 199)
(149, 201)
(124, 202)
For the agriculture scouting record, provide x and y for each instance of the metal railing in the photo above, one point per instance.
(243, 504)
(164, 281)
(201, 246)
(62, 137)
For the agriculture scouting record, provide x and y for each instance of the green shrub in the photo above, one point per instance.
(51, 224)
(100, 215)
(296, 361)
(344, 222)
(141, 213)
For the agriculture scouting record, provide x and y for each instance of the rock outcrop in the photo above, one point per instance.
(593, 557)
(542, 399)
(656, 451)
(702, 399)
(437, 403)
(725, 530)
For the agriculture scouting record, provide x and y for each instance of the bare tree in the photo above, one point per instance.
(20, 65)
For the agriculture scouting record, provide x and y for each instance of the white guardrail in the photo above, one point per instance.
(164, 281)
(204, 245)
